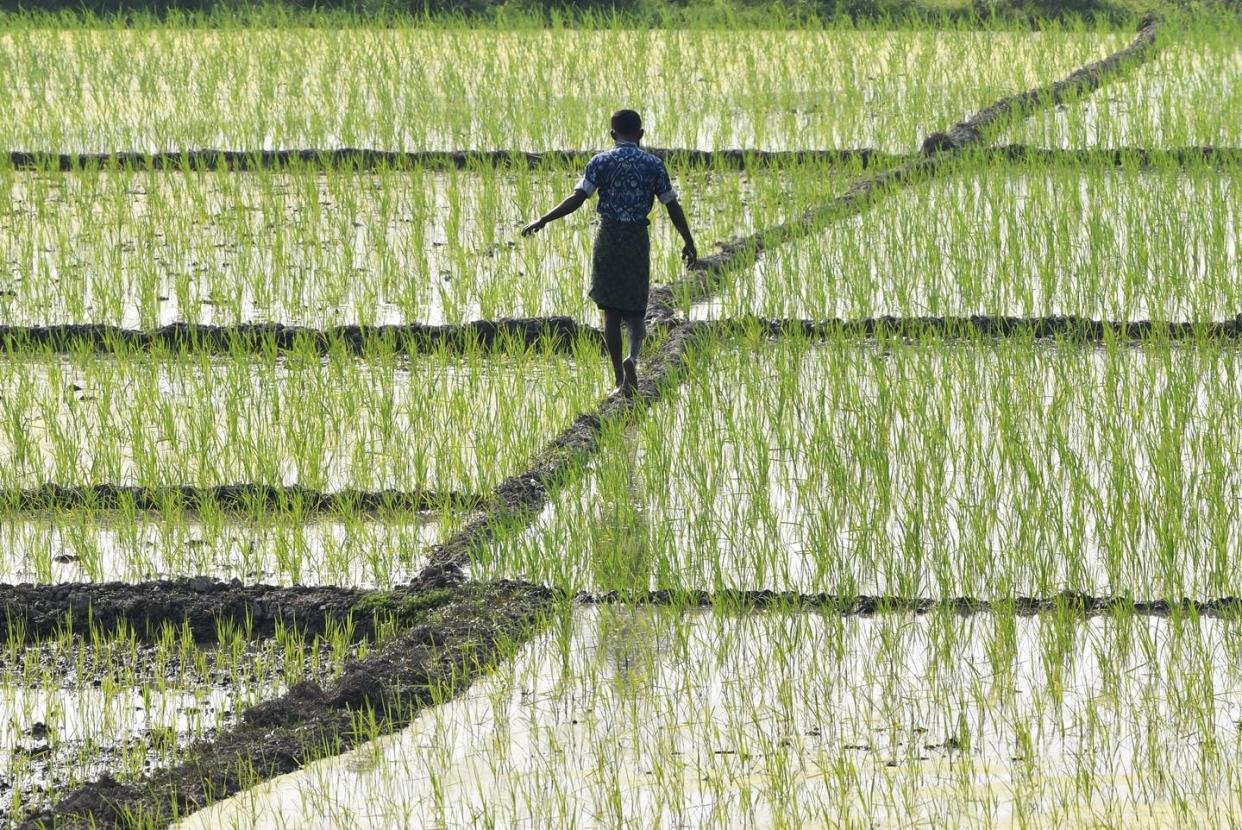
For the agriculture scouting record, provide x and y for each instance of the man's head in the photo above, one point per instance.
(627, 126)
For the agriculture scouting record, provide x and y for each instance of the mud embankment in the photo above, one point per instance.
(1081, 329)
(362, 159)
(1066, 602)
(547, 332)
(478, 626)
(235, 498)
(203, 605)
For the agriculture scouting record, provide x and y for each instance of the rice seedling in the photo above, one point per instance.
(647, 716)
(142, 249)
(1188, 95)
(933, 468)
(1082, 239)
(436, 87)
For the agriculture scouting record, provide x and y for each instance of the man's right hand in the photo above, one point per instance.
(533, 227)
(689, 254)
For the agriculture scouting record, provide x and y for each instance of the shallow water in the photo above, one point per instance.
(105, 546)
(1188, 95)
(142, 250)
(386, 421)
(650, 717)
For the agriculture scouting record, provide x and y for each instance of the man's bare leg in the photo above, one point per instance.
(637, 327)
(612, 339)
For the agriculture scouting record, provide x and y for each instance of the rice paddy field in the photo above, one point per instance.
(315, 510)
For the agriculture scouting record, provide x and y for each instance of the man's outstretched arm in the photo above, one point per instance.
(571, 203)
(689, 253)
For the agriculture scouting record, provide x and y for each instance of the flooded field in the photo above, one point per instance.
(1188, 95)
(346, 548)
(915, 574)
(394, 421)
(99, 702)
(657, 717)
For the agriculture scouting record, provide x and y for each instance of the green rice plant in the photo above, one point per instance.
(397, 419)
(1076, 239)
(921, 467)
(406, 88)
(649, 716)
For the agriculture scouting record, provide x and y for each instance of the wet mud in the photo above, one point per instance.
(243, 498)
(986, 122)
(557, 333)
(1066, 602)
(1056, 327)
(355, 158)
(480, 625)
(202, 605)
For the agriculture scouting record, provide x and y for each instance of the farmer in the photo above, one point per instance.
(627, 178)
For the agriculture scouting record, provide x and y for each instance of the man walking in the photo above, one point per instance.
(627, 180)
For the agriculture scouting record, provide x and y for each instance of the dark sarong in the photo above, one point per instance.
(621, 266)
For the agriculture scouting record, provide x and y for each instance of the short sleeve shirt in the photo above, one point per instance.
(627, 179)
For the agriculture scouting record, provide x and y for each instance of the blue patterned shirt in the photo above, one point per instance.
(627, 178)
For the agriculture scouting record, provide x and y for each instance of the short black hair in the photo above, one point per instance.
(626, 122)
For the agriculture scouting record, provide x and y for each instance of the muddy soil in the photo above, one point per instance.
(547, 332)
(352, 158)
(1067, 601)
(170, 704)
(246, 498)
(479, 625)
(201, 603)
(1079, 329)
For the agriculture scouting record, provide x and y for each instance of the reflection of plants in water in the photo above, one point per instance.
(624, 563)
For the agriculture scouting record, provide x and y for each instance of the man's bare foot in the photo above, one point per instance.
(631, 375)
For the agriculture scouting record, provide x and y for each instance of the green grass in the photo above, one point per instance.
(987, 468)
(1026, 240)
